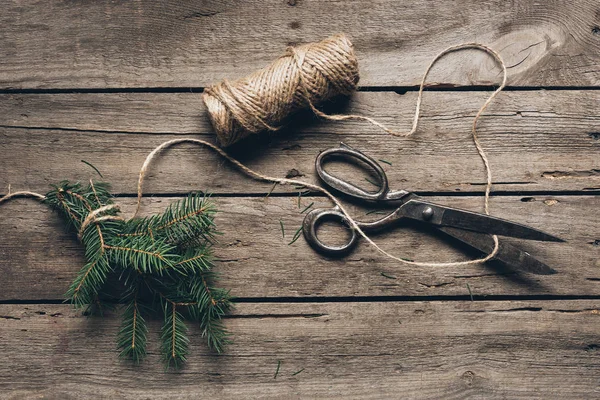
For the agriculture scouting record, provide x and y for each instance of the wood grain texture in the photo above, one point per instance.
(309, 313)
(38, 258)
(425, 350)
(105, 44)
(536, 140)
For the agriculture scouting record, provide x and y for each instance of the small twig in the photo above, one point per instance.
(387, 276)
(385, 161)
(297, 372)
(299, 198)
(296, 236)
(90, 165)
(307, 207)
(277, 370)
(282, 229)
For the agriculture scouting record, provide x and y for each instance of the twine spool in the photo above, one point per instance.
(304, 76)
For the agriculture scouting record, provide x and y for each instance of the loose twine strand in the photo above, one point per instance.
(92, 217)
(23, 193)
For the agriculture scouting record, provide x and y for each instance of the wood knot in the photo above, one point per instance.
(468, 377)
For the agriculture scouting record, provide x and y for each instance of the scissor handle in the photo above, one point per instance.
(347, 187)
(311, 222)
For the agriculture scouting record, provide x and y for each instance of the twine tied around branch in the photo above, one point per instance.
(285, 181)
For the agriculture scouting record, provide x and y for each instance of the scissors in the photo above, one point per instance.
(471, 228)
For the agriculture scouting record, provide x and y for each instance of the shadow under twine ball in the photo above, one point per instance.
(301, 78)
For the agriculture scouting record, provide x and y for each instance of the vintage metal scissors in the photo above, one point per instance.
(469, 227)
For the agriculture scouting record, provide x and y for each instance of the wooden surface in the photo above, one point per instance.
(106, 82)
(105, 44)
(370, 350)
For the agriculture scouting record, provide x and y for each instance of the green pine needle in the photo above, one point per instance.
(387, 276)
(271, 191)
(296, 236)
(277, 370)
(470, 292)
(307, 207)
(94, 168)
(371, 182)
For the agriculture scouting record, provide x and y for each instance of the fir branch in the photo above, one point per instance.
(193, 261)
(213, 329)
(141, 253)
(212, 305)
(133, 333)
(88, 282)
(185, 223)
(183, 210)
(169, 254)
(174, 339)
(75, 201)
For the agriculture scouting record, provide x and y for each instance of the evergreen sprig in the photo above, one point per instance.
(164, 263)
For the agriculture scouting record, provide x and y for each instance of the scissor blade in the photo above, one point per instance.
(496, 226)
(507, 253)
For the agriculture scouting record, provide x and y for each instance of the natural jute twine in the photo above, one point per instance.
(284, 181)
(303, 76)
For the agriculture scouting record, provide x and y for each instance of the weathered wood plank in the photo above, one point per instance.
(426, 350)
(540, 140)
(100, 44)
(38, 258)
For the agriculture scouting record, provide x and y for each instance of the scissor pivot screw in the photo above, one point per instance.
(427, 213)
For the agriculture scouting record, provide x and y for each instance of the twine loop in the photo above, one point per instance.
(93, 218)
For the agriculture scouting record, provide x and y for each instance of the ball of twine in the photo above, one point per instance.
(304, 76)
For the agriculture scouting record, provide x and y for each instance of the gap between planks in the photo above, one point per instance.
(396, 89)
(361, 299)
